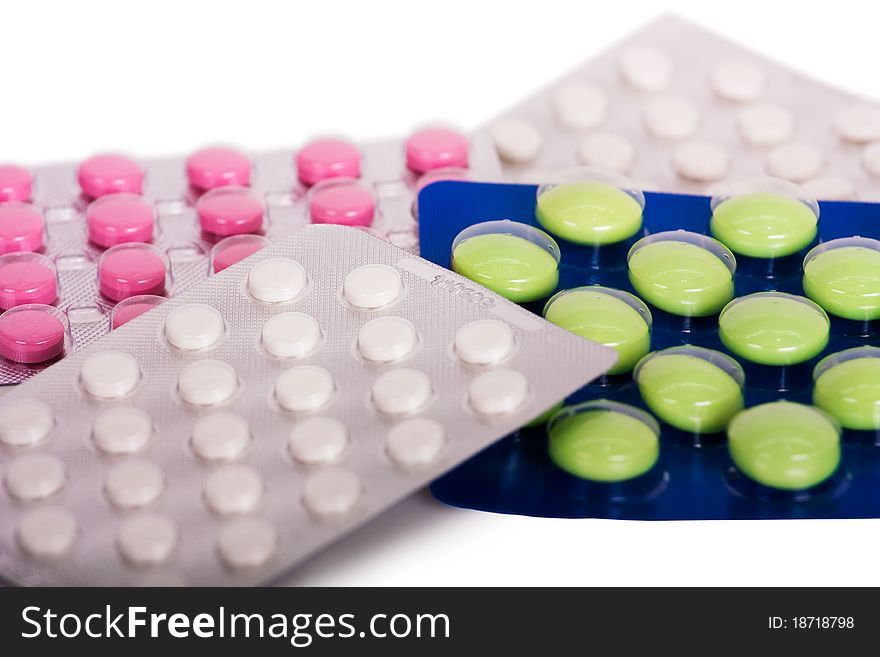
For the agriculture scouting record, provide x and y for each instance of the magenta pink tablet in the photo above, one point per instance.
(218, 167)
(27, 278)
(230, 211)
(15, 183)
(328, 158)
(21, 227)
(110, 174)
(32, 334)
(129, 269)
(119, 218)
(344, 202)
(435, 148)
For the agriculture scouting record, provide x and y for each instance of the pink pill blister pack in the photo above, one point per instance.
(85, 247)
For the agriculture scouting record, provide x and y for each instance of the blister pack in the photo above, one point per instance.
(678, 109)
(104, 239)
(239, 426)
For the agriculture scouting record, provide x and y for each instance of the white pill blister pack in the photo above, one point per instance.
(679, 109)
(233, 430)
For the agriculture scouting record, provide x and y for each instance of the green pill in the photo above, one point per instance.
(843, 276)
(682, 273)
(613, 318)
(691, 388)
(774, 328)
(847, 385)
(604, 441)
(589, 212)
(784, 445)
(518, 261)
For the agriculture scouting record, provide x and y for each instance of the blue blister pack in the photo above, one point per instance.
(694, 476)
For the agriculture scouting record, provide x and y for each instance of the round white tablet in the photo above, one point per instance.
(194, 326)
(416, 442)
(402, 391)
(607, 150)
(386, 339)
(233, 489)
(859, 124)
(291, 335)
(738, 81)
(34, 476)
(109, 374)
(372, 286)
(646, 68)
(318, 440)
(247, 542)
(795, 162)
(207, 383)
(830, 188)
(702, 161)
(134, 483)
(580, 106)
(46, 532)
(332, 492)
(147, 540)
(25, 423)
(277, 280)
(122, 430)
(497, 392)
(484, 342)
(305, 389)
(765, 124)
(671, 117)
(220, 437)
(516, 140)
(871, 158)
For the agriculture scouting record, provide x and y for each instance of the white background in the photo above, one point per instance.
(162, 77)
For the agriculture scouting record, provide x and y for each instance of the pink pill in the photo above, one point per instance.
(26, 278)
(230, 210)
(328, 158)
(435, 148)
(127, 309)
(110, 174)
(119, 218)
(344, 202)
(15, 183)
(218, 167)
(129, 269)
(21, 227)
(32, 334)
(230, 250)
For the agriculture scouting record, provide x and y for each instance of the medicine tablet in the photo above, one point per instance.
(607, 150)
(127, 309)
(738, 81)
(484, 342)
(327, 158)
(372, 286)
(871, 158)
(305, 389)
(46, 532)
(34, 476)
(701, 161)
(291, 335)
(671, 117)
(119, 218)
(435, 149)
(220, 437)
(276, 280)
(646, 68)
(110, 174)
(580, 106)
(233, 249)
(134, 483)
(26, 278)
(122, 430)
(516, 140)
(32, 333)
(416, 442)
(127, 270)
(344, 202)
(498, 392)
(859, 124)
(765, 125)
(847, 385)
(194, 326)
(21, 227)
(231, 210)
(15, 183)
(207, 383)
(843, 276)
(332, 492)
(318, 440)
(795, 162)
(402, 392)
(830, 188)
(764, 225)
(387, 339)
(25, 423)
(218, 167)
(233, 489)
(589, 212)
(247, 542)
(147, 540)
(109, 374)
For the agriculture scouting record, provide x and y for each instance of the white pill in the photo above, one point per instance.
(331, 492)
(134, 483)
(305, 389)
(194, 326)
(516, 140)
(277, 280)
(207, 383)
(34, 476)
(386, 339)
(247, 542)
(402, 391)
(671, 117)
(220, 437)
(830, 188)
(415, 442)
(109, 374)
(233, 489)
(318, 441)
(372, 286)
(607, 150)
(147, 540)
(25, 423)
(122, 430)
(484, 342)
(702, 161)
(765, 124)
(795, 162)
(871, 158)
(46, 532)
(580, 106)
(291, 335)
(859, 124)
(646, 68)
(498, 392)
(738, 81)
